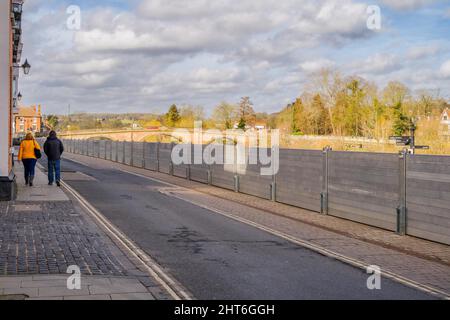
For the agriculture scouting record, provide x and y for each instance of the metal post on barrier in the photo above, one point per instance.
(171, 165)
(325, 181)
(402, 210)
(157, 156)
(273, 185)
(143, 154)
(237, 186)
(124, 148)
(132, 154)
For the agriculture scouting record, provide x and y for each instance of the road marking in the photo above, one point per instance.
(173, 288)
(326, 252)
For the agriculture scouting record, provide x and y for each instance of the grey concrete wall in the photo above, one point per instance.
(128, 152)
(199, 172)
(253, 183)
(120, 152)
(364, 187)
(114, 150)
(108, 150)
(165, 157)
(102, 149)
(222, 176)
(299, 179)
(182, 170)
(96, 148)
(90, 149)
(138, 154)
(151, 156)
(428, 197)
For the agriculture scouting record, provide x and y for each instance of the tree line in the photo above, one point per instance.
(332, 105)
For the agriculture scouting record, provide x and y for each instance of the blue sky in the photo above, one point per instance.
(144, 55)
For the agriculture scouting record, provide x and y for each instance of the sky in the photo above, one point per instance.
(144, 55)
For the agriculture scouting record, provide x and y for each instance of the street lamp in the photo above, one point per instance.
(26, 67)
(19, 96)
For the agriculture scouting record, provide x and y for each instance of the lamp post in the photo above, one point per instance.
(26, 67)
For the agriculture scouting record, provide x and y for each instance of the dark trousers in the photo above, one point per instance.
(54, 170)
(30, 165)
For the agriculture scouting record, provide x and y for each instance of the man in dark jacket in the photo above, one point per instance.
(54, 148)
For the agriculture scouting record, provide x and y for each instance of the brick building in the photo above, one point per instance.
(28, 119)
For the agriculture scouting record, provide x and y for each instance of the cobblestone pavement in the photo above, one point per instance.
(422, 261)
(39, 240)
(47, 238)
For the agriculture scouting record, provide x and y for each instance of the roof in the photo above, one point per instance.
(29, 112)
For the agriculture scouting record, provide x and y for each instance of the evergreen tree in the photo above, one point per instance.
(242, 124)
(402, 123)
(297, 110)
(173, 116)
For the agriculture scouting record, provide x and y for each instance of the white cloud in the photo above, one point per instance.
(198, 51)
(313, 66)
(445, 69)
(380, 63)
(420, 52)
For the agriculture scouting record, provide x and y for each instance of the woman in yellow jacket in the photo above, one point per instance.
(28, 157)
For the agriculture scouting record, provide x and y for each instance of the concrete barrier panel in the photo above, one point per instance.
(108, 150)
(299, 179)
(181, 171)
(90, 149)
(102, 149)
(364, 187)
(138, 154)
(151, 156)
(128, 153)
(223, 176)
(199, 172)
(121, 152)
(97, 148)
(428, 197)
(165, 157)
(252, 182)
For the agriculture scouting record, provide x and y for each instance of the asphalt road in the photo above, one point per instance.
(218, 258)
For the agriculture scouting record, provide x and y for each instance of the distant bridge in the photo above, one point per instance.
(181, 135)
(124, 135)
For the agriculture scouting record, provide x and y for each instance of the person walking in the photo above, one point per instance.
(54, 148)
(29, 152)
